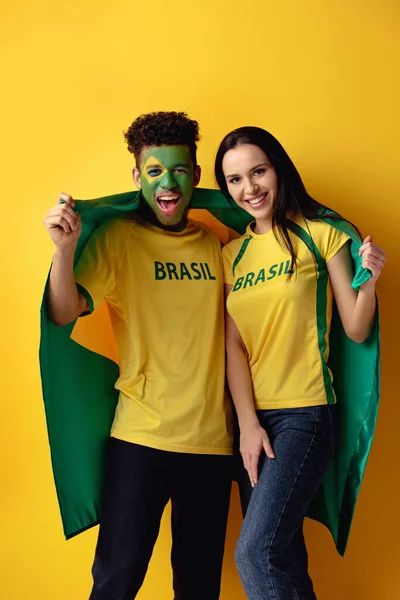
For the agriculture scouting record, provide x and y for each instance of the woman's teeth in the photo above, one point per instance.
(257, 200)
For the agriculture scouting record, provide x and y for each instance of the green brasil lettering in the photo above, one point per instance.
(252, 279)
(181, 271)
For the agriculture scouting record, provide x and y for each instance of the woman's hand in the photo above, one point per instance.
(253, 439)
(374, 259)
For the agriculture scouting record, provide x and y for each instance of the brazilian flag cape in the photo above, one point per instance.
(79, 367)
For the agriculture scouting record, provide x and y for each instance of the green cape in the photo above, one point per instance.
(80, 398)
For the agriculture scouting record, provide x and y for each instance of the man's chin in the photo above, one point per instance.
(173, 220)
(153, 213)
(170, 222)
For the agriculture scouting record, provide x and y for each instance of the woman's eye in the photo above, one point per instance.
(259, 171)
(234, 180)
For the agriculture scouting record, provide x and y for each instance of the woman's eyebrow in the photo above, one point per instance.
(252, 169)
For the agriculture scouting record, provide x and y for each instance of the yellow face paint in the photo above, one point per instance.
(151, 167)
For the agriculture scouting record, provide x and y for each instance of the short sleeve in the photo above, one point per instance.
(227, 262)
(95, 272)
(329, 240)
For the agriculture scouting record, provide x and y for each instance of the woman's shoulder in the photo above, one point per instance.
(329, 234)
(324, 225)
(232, 248)
(325, 222)
(317, 224)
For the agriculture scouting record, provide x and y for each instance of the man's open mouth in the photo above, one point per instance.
(168, 203)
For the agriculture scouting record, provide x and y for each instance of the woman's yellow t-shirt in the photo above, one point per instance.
(284, 322)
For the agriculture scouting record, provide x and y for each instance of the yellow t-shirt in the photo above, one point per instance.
(284, 323)
(165, 293)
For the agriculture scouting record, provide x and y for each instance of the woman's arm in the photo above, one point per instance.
(253, 438)
(356, 309)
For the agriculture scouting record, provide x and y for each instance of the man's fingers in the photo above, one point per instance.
(71, 219)
(63, 223)
(62, 198)
(60, 209)
(66, 212)
(57, 221)
(67, 208)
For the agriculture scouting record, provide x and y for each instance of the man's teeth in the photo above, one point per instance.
(168, 198)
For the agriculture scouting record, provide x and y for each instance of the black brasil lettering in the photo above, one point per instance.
(252, 279)
(182, 271)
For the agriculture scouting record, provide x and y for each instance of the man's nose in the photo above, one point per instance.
(168, 181)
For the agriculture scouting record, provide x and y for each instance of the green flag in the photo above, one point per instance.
(79, 367)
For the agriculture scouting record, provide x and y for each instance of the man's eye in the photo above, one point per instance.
(154, 172)
(180, 171)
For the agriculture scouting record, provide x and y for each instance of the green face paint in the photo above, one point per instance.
(167, 182)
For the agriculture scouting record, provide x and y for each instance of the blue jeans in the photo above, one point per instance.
(271, 555)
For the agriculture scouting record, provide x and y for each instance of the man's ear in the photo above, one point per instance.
(137, 178)
(196, 175)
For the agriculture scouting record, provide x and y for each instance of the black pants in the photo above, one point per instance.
(139, 483)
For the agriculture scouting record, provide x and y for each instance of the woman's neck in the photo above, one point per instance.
(263, 225)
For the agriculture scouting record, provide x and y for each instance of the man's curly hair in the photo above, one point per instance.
(162, 129)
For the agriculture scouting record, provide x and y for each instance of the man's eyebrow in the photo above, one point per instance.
(160, 166)
(252, 169)
(155, 166)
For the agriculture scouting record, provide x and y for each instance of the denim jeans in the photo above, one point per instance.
(139, 483)
(271, 555)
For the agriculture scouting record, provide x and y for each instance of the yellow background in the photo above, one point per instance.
(323, 77)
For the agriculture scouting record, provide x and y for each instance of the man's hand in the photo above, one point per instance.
(63, 223)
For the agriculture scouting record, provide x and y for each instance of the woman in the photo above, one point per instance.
(277, 352)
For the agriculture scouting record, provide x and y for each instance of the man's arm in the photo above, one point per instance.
(63, 224)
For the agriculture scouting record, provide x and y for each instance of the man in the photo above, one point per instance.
(161, 276)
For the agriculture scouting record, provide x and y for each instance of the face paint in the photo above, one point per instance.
(167, 182)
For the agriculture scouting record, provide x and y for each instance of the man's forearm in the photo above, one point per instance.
(64, 301)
